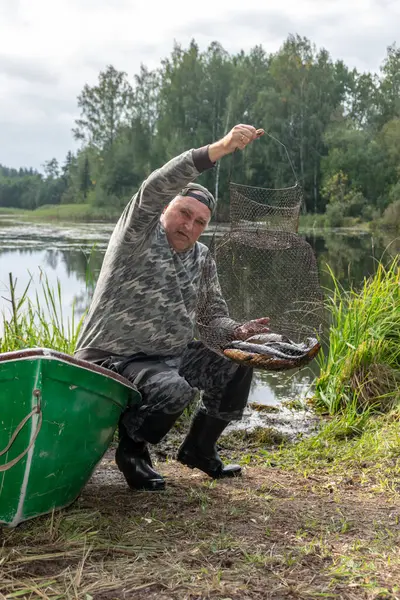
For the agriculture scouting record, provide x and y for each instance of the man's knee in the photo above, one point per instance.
(165, 395)
(158, 382)
(229, 402)
(166, 391)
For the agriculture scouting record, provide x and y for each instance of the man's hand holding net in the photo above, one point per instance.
(238, 137)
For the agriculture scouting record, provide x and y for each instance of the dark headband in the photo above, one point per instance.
(201, 194)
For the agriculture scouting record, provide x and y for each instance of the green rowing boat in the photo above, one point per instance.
(57, 418)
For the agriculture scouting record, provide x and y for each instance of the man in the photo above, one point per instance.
(143, 317)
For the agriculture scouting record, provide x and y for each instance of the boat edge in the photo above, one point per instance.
(45, 353)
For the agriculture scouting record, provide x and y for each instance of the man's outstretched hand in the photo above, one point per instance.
(239, 136)
(243, 332)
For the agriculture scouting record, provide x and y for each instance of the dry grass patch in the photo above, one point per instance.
(271, 534)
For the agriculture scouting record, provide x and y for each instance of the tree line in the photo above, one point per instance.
(341, 128)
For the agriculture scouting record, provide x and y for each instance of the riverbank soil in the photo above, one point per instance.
(287, 529)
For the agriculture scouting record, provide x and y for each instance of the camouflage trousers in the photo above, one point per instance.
(169, 385)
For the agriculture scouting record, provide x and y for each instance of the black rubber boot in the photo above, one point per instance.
(199, 451)
(133, 457)
(133, 460)
(156, 426)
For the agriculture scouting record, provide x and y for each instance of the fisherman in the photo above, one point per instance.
(141, 322)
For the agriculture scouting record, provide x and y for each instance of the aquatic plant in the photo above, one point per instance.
(37, 320)
(361, 370)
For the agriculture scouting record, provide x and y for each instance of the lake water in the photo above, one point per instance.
(64, 252)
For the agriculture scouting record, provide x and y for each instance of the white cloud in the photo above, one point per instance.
(50, 49)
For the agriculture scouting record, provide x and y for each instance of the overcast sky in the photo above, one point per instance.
(50, 48)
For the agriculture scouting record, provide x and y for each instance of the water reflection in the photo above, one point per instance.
(73, 256)
(30, 266)
(69, 255)
(351, 256)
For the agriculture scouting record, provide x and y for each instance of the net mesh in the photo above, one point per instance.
(265, 269)
(275, 209)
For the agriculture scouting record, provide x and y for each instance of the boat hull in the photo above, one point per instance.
(60, 415)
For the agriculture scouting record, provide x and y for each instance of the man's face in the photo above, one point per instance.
(184, 220)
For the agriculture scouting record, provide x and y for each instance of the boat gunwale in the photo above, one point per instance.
(44, 353)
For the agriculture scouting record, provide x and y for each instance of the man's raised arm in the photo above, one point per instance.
(165, 183)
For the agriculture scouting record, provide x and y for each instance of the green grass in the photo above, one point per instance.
(77, 212)
(367, 455)
(12, 211)
(317, 221)
(312, 221)
(67, 212)
(34, 322)
(361, 370)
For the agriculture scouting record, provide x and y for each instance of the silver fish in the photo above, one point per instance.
(292, 349)
(277, 349)
(265, 350)
(266, 338)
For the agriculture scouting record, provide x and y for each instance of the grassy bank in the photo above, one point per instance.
(318, 518)
(87, 213)
(361, 371)
(316, 222)
(67, 212)
(13, 211)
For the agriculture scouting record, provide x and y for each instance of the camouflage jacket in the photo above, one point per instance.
(147, 296)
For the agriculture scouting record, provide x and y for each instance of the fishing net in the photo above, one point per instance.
(253, 208)
(265, 269)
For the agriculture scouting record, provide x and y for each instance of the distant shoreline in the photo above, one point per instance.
(85, 213)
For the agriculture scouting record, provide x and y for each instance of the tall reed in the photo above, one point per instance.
(361, 370)
(37, 320)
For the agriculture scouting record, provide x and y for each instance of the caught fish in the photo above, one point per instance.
(263, 349)
(265, 338)
(290, 348)
(274, 346)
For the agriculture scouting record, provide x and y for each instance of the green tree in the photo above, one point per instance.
(104, 108)
(356, 153)
(51, 168)
(85, 182)
(390, 85)
(362, 99)
(340, 127)
(310, 88)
